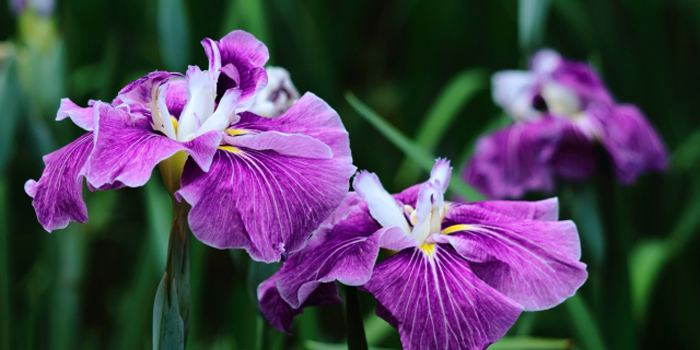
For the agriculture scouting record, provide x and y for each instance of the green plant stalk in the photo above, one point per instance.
(171, 308)
(353, 316)
(584, 324)
(616, 306)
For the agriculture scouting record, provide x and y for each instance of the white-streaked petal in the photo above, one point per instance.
(162, 119)
(382, 206)
(560, 100)
(510, 87)
(441, 172)
(201, 94)
(224, 115)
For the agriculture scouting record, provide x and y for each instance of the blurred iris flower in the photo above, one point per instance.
(278, 96)
(462, 272)
(561, 110)
(256, 183)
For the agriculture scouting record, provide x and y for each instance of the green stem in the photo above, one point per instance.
(171, 308)
(616, 307)
(353, 315)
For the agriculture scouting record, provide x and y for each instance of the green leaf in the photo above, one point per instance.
(418, 154)
(5, 310)
(585, 213)
(532, 20)
(449, 103)
(377, 329)
(648, 259)
(168, 326)
(687, 154)
(173, 34)
(247, 15)
(584, 324)
(530, 343)
(315, 345)
(10, 105)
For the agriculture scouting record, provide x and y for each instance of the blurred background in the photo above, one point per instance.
(424, 67)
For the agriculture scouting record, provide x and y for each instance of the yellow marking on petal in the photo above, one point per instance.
(455, 228)
(236, 132)
(427, 248)
(174, 123)
(230, 149)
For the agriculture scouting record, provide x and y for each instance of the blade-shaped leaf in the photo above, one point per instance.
(173, 34)
(418, 154)
(449, 103)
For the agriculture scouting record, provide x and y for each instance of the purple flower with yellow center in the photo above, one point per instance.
(461, 275)
(561, 111)
(256, 183)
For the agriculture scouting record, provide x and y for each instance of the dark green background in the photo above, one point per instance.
(91, 286)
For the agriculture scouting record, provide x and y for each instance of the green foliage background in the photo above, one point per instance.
(423, 67)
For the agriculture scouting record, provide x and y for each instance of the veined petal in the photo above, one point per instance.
(573, 157)
(280, 314)
(345, 252)
(383, 207)
(80, 116)
(534, 262)
(513, 160)
(58, 195)
(545, 210)
(438, 303)
(309, 116)
(248, 55)
(263, 201)
(633, 144)
(297, 145)
(140, 91)
(200, 105)
(127, 148)
(441, 172)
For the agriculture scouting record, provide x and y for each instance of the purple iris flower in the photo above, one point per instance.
(256, 183)
(561, 111)
(278, 96)
(462, 272)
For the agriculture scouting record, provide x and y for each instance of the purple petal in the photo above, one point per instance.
(288, 144)
(309, 116)
(280, 314)
(536, 263)
(248, 56)
(58, 195)
(438, 303)
(512, 161)
(82, 117)
(345, 252)
(139, 91)
(574, 157)
(633, 144)
(263, 201)
(545, 210)
(127, 148)
(583, 80)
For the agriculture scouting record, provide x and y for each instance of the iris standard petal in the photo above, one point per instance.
(57, 196)
(383, 207)
(261, 200)
(140, 91)
(127, 148)
(513, 160)
(438, 303)
(534, 262)
(513, 90)
(633, 144)
(248, 55)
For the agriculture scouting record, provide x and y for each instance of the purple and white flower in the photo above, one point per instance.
(278, 96)
(561, 109)
(256, 183)
(462, 272)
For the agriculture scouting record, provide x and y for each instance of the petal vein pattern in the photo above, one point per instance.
(438, 303)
